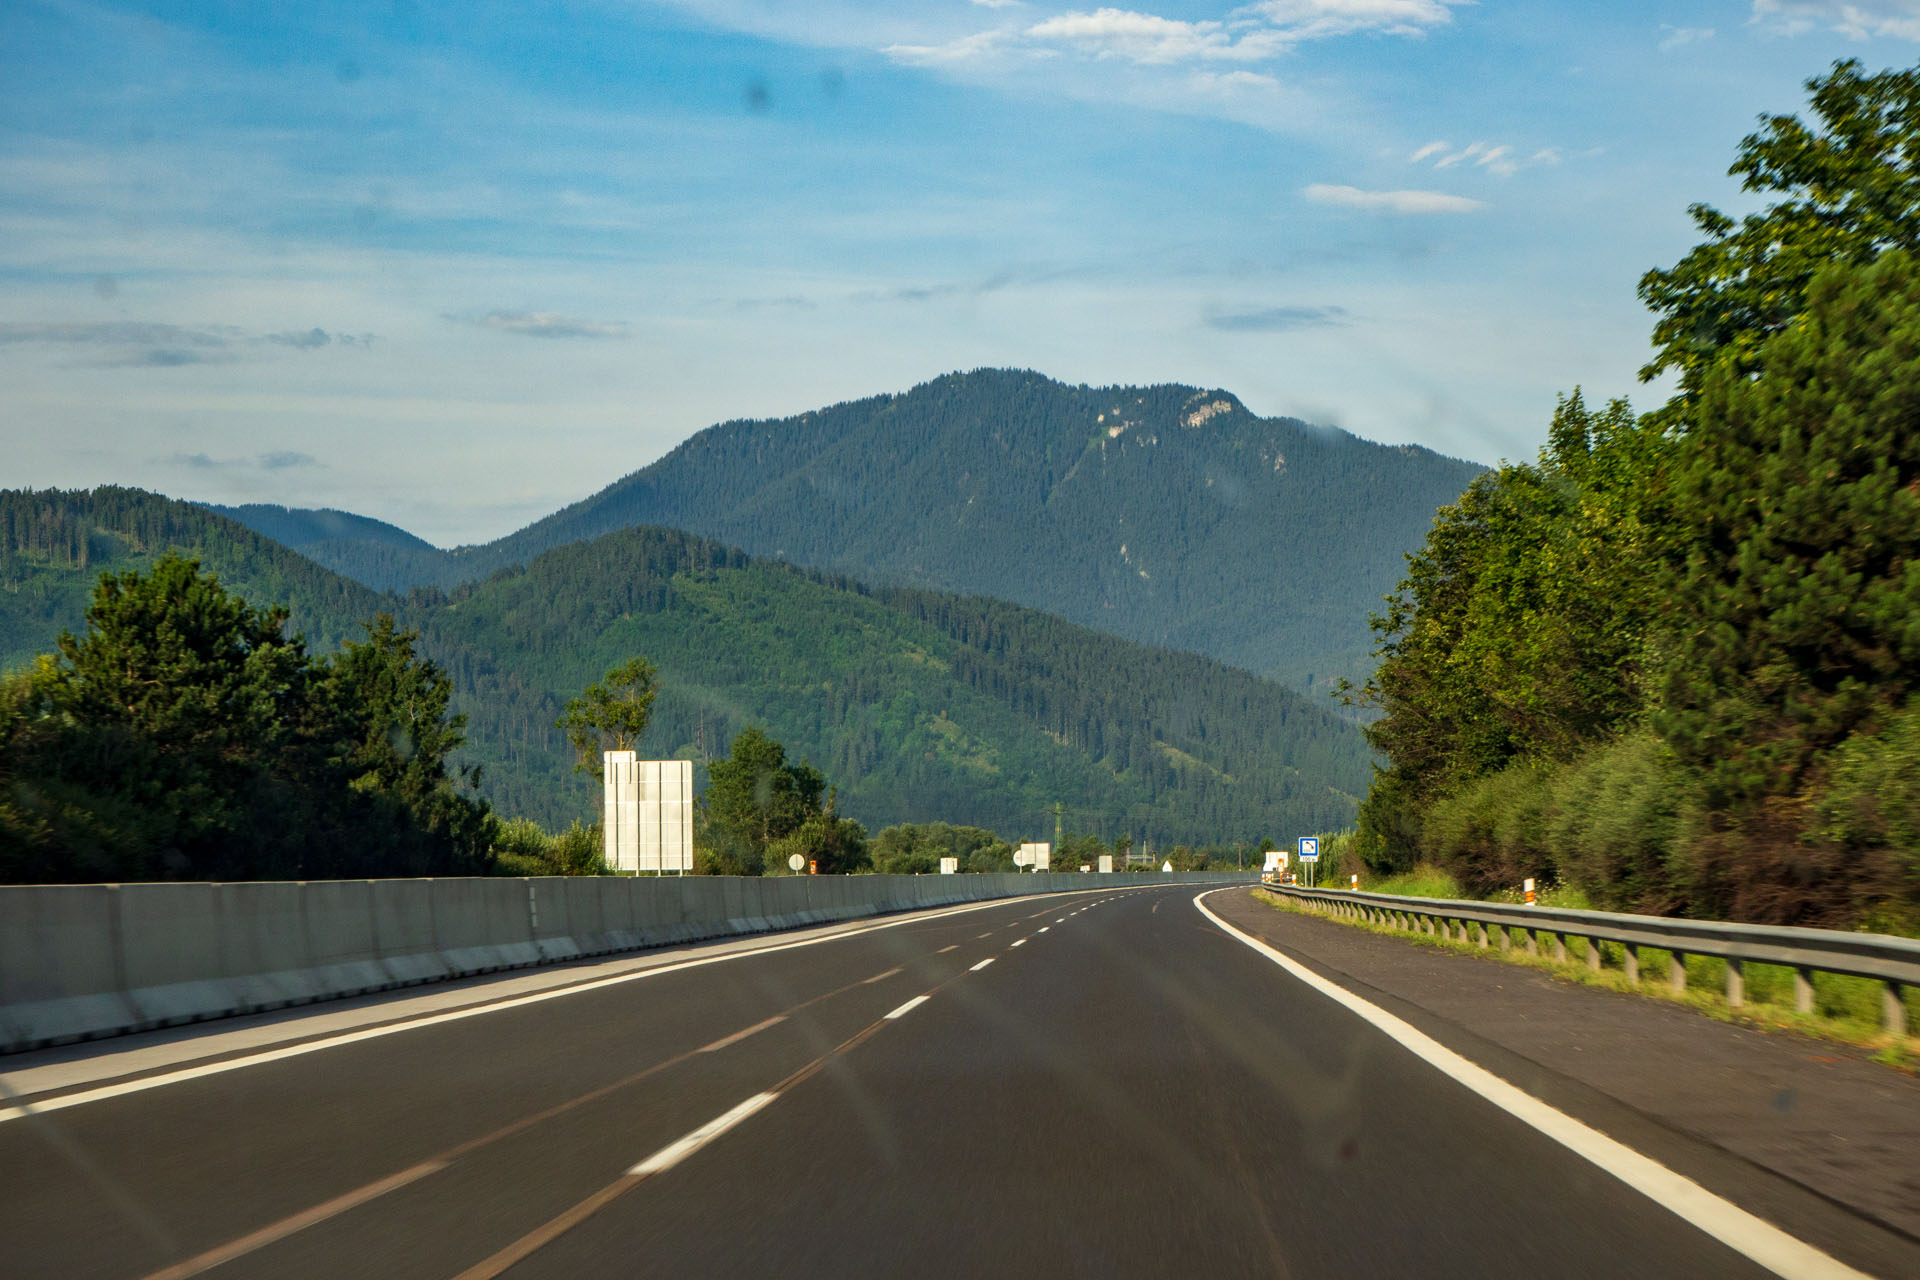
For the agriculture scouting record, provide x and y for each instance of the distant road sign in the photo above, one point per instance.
(795, 861)
(949, 866)
(1309, 848)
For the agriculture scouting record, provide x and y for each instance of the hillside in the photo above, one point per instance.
(380, 555)
(917, 704)
(1168, 515)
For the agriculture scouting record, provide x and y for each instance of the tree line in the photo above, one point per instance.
(1674, 660)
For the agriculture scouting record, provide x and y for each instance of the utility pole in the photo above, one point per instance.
(1059, 816)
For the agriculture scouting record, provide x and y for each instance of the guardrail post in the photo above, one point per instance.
(1677, 971)
(1803, 991)
(1482, 928)
(1533, 941)
(1632, 963)
(1736, 983)
(1593, 955)
(1893, 1010)
(1506, 937)
(1559, 948)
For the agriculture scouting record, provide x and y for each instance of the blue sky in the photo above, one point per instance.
(455, 265)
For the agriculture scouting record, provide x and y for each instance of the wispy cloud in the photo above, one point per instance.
(1500, 159)
(314, 339)
(1277, 319)
(1391, 201)
(1855, 19)
(279, 460)
(144, 344)
(117, 333)
(1673, 37)
(544, 324)
(1254, 33)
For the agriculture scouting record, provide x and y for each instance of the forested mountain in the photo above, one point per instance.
(918, 705)
(1167, 514)
(383, 556)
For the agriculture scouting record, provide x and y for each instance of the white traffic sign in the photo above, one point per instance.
(796, 861)
(1309, 848)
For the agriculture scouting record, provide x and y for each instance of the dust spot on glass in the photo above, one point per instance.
(759, 97)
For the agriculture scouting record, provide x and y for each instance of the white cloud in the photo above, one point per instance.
(1675, 37)
(1500, 159)
(547, 324)
(1316, 19)
(971, 48)
(1256, 33)
(1858, 21)
(1391, 201)
(1148, 39)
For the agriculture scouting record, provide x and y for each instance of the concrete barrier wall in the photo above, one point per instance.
(79, 961)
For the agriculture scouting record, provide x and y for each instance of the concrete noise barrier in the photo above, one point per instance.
(82, 961)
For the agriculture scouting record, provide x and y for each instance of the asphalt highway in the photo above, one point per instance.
(1103, 1084)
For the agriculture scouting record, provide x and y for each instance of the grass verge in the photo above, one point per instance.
(1846, 1010)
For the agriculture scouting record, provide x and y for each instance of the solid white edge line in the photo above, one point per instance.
(672, 1154)
(983, 964)
(906, 1008)
(1745, 1234)
(59, 1102)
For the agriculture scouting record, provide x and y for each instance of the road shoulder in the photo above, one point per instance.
(1783, 1116)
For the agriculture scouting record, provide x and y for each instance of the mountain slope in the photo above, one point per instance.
(1167, 514)
(920, 705)
(380, 555)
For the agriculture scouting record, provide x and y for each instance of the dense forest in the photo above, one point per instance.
(919, 706)
(184, 734)
(1168, 515)
(1674, 661)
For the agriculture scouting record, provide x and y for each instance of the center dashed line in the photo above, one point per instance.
(907, 1008)
(942, 951)
(1021, 943)
(1043, 928)
(983, 964)
(673, 1153)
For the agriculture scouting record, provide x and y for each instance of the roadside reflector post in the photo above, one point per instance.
(1736, 983)
(1355, 878)
(1529, 890)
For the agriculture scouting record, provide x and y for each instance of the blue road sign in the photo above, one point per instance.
(1309, 848)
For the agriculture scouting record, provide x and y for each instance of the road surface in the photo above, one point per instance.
(1104, 1084)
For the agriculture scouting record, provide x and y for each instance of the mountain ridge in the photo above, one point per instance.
(1169, 515)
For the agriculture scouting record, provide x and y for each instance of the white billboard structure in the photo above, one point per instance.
(648, 818)
(1106, 864)
(1038, 855)
(949, 866)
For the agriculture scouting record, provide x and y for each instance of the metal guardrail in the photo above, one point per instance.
(1894, 962)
